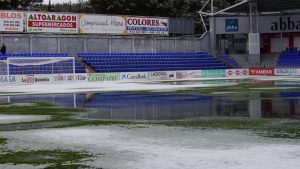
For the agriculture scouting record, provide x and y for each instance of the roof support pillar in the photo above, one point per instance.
(253, 14)
(212, 31)
(254, 36)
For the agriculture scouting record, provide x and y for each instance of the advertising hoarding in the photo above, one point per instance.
(102, 24)
(134, 76)
(164, 75)
(287, 72)
(52, 22)
(231, 25)
(237, 72)
(102, 77)
(4, 79)
(57, 78)
(277, 24)
(189, 74)
(34, 79)
(147, 25)
(11, 21)
(213, 73)
(262, 72)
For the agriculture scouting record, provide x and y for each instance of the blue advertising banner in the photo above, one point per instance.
(232, 25)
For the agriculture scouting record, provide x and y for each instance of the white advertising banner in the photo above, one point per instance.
(63, 78)
(11, 21)
(280, 23)
(34, 79)
(189, 74)
(237, 72)
(52, 22)
(134, 76)
(102, 24)
(4, 79)
(147, 25)
(287, 72)
(162, 75)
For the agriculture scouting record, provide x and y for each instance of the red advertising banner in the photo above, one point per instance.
(262, 72)
(52, 22)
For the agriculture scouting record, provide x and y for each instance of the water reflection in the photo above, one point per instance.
(141, 106)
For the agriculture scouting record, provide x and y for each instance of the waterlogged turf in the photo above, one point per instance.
(221, 122)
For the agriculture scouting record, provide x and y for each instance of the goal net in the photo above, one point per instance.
(37, 65)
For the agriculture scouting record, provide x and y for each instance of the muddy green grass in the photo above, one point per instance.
(51, 158)
(2, 141)
(241, 87)
(274, 128)
(37, 109)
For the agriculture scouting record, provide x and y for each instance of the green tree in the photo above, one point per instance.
(18, 4)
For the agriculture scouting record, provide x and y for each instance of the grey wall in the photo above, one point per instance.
(73, 44)
(181, 26)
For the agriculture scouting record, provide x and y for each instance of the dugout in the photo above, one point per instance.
(253, 28)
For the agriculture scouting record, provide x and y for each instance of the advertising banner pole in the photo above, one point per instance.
(74, 73)
(7, 69)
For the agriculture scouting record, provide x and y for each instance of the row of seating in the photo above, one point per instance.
(140, 54)
(121, 62)
(142, 58)
(289, 58)
(130, 62)
(106, 70)
(292, 50)
(230, 60)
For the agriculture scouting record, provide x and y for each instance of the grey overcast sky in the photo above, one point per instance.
(59, 1)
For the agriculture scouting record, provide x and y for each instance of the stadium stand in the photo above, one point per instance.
(229, 60)
(289, 58)
(139, 62)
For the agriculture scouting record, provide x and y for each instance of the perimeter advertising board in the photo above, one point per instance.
(237, 72)
(189, 74)
(162, 75)
(287, 72)
(52, 22)
(102, 24)
(11, 21)
(134, 76)
(262, 72)
(62, 78)
(147, 25)
(213, 73)
(102, 77)
(34, 79)
(4, 79)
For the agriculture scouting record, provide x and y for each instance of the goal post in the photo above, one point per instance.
(40, 65)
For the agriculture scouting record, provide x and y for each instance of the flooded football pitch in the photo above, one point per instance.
(226, 123)
(254, 99)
